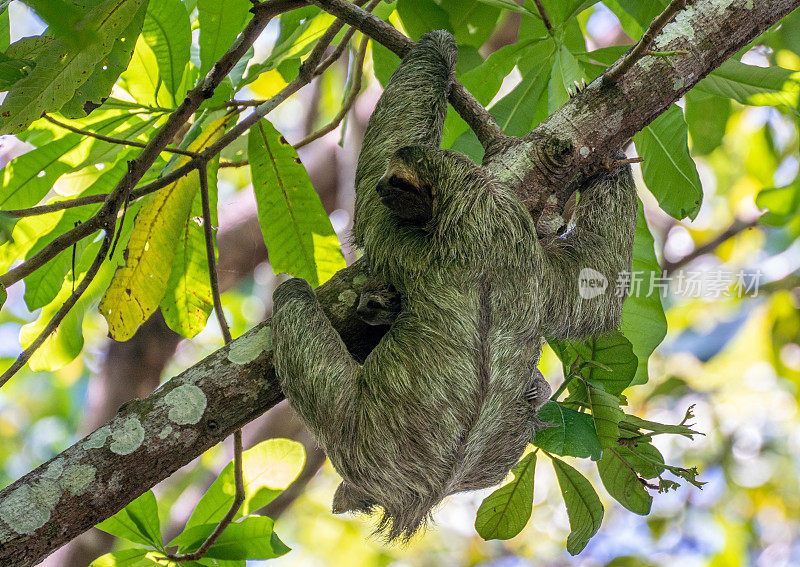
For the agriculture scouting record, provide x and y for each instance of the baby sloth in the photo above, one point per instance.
(447, 400)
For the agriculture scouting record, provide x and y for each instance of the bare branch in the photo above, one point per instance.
(737, 227)
(352, 94)
(543, 14)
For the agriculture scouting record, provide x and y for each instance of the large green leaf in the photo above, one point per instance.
(606, 359)
(504, 513)
(753, 85)
(221, 21)
(269, 468)
(188, 300)
(297, 232)
(250, 538)
(643, 321)
(420, 16)
(59, 71)
(569, 432)
(167, 32)
(566, 72)
(607, 415)
(97, 88)
(668, 170)
(471, 21)
(137, 522)
(707, 116)
(583, 506)
(140, 284)
(623, 483)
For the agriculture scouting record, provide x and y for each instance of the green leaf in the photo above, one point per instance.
(137, 522)
(5, 27)
(645, 459)
(251, 538)
(623, 484)
(643, 12)
(97, 88)
(3, 294)
(59, 71)
(707, 117)
(560, 11)
(612, 354)
(584, 509)
(420, 16)
(656, 427)
(168, 34)
(643, 321)
(220, 21)
(28, 178)
(566, 71)
(753, 85)
(570, 433)
(524, 106)
(607, 415)
(139, 285)
(188, 300)
(297, 232)
(504, 513)
(269, 468)
(511, 6)
(782, 204)
(127, 558)
(471, 21)
(668, 170)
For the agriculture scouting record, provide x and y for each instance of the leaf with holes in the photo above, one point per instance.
(139, 285)
(297, 232)
(505, 511)
(59, 70)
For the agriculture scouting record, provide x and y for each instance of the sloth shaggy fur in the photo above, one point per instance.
(447, 400)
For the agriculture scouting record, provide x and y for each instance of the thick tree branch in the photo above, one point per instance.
(151, 438)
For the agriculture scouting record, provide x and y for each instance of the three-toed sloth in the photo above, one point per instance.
(447, 401)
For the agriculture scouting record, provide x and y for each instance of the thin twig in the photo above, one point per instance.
(62, 311)
(347, 103)
(612, 164)
(110, 140)
(737, 226)
(543, 14)
(641, 49)
(240, 163)
(238, 473)
(348, 35)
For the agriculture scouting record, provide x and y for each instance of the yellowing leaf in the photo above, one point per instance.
(139, 285)
(297, 232)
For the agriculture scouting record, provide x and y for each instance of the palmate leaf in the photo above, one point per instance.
(269, 468)
(668, 170)
(297, 232)
(250, 538)
(504, 513)
(584, 509)
(59, 71)
(139, 285)
(643, 321)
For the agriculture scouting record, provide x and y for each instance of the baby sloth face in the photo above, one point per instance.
(405, 190)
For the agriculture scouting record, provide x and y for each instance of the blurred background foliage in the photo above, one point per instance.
(737, 359)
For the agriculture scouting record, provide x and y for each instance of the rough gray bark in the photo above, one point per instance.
(151, 438)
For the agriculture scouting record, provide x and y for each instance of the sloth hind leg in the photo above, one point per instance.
(317, 373)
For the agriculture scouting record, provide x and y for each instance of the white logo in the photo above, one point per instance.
(591, 283)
